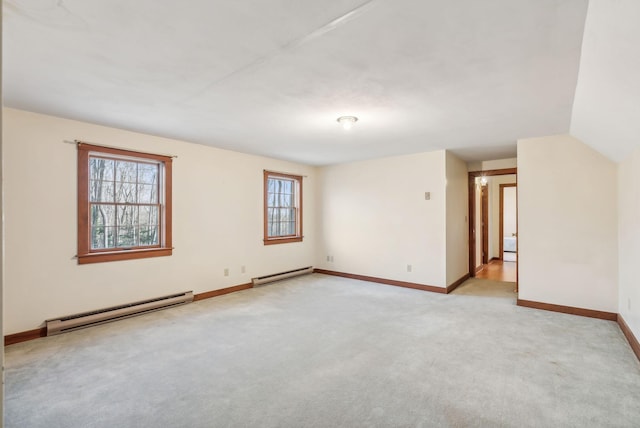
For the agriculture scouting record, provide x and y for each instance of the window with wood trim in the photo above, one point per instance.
(124, 204)
(282, 208)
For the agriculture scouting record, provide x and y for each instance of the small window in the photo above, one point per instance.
(282, 208)
(124, 204)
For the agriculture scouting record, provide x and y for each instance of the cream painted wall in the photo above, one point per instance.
(217, 222)
(492, 164)
(509, 215)
(457, 194)
(1, 245)
(567, 224)
(629, 240)
(374, 219)
(494, 211)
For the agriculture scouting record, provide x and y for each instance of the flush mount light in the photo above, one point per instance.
(347, 121)
(483, 180)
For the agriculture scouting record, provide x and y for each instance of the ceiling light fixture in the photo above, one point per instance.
(347, 121)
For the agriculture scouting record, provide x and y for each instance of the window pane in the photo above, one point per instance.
(103, 215)
(280, 200)
(101, 191)
(148, 216)
(125, 192)
(285, 200)
(281, 222)
(98, 237)
(147, 173)
(281, 228)
(111, 237)
(102, 222)
(126, 171)
(127, 216)
(101, 169)
(101, 179)
(126, 236)
(284, 228)
(287, 214)
(147, 194)
(279, 186)
(149, 235)
(102, 237)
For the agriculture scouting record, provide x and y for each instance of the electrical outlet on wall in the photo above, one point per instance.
(243, 269)
(409, 268)
(629, 303)
(226, 271)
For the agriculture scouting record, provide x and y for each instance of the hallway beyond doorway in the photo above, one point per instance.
(498, 270)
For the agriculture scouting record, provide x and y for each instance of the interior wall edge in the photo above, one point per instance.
(458, 282)
(628, 334)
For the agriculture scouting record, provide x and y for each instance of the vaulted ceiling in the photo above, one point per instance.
(606, 113)
(270, 77)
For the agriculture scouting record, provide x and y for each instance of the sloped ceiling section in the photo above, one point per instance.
(606, 112)
(271, 77)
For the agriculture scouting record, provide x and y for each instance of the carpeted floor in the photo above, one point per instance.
(321, 351)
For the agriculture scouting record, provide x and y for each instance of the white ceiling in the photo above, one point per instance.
(270, 77)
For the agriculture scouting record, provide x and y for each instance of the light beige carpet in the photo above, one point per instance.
(320, 351)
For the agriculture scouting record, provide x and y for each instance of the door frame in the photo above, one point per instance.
(484, 221)
(472, 210)
(502, 187)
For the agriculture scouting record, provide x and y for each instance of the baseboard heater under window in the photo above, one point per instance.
(101, 316)
(282, 275)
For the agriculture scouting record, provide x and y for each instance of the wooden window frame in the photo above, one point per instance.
(85, 254)
(270, 240)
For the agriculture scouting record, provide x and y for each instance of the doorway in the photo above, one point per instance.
(493, 225)
(484, 221)
(508, 222)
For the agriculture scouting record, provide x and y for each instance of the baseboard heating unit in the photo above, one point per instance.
(101, 316)
(282, 275)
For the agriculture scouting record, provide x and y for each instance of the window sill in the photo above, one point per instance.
(123, 255)
(282, 240)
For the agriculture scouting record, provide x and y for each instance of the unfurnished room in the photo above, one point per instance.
(340, 213)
